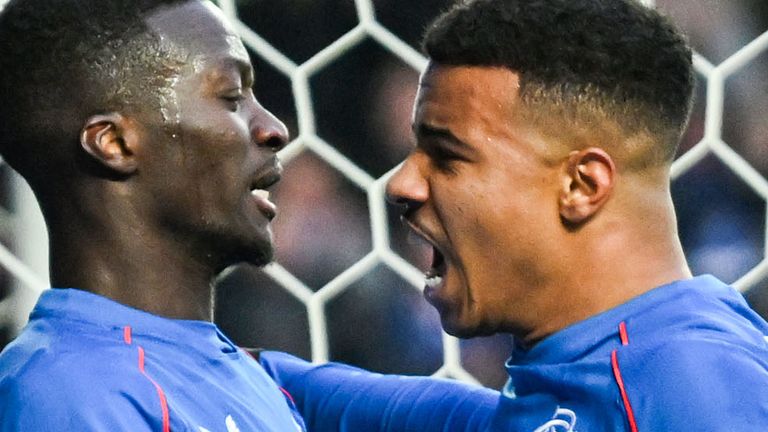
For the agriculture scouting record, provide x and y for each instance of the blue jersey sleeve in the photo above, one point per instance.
(698, 386)
(335, 397)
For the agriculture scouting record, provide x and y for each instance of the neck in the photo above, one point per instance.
(615, 258)
(114, 254)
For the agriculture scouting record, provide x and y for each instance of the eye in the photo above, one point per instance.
(233, 100)
(444, 159)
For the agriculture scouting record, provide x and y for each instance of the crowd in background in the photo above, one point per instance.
(362, 104)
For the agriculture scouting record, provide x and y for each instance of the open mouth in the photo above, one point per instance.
(434, 276)
(438, 267)
(261, 194)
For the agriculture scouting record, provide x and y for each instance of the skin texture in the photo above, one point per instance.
(538, 231)
(178, 208)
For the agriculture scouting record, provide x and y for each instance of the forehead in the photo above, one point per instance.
(469, 94)
(196, 30)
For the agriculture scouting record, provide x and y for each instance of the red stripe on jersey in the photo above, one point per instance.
(127, 334)
(141, 360)
(288, 395)
(623, 333)
(624, 397)
(160, 393)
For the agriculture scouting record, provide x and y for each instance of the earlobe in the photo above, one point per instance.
(587, 180)
(106, 139)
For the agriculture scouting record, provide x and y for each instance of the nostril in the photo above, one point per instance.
(407, 207)
(403, 192)
(276, 143)
(270, 138)
(397, 200)
(394, 197)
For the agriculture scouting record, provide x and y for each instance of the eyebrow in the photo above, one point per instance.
(245, 68)
(425, 131)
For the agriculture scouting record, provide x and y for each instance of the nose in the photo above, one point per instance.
(408, 186)
(268, 131)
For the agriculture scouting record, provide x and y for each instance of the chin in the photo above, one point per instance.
(259, 254)
(259, 248)
(464, 327)
(459, 332)
(258, 251)
(455, 327)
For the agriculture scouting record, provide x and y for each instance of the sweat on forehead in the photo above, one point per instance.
(70, 59)
(193, 29)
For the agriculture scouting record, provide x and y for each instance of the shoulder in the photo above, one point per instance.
(52, 384)
(689, 381)
(697, 329)
(59, 359)
(697, 355)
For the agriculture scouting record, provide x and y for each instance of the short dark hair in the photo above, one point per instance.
(625, 59)
(64, 60)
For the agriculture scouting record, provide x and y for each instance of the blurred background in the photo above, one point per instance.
(362, 103)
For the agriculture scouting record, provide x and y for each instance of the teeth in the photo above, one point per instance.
(261, 193)
(434, 281)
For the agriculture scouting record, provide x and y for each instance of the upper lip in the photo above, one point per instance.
(267, 175)
(421, 232)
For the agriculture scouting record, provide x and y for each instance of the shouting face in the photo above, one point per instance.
(480, 190)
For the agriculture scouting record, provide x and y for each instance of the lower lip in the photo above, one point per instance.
(429, 294)
(266, 207)
(430, 291)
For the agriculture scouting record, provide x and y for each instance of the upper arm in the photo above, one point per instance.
(339, 397)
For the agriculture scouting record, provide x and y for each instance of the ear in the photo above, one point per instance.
(587, 180)
(111, 141)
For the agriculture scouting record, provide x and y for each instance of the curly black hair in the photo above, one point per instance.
(625, 60)
(64, 60)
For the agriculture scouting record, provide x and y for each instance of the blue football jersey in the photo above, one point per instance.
(87, 363)
(690, 355)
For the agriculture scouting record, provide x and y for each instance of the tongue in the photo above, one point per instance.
(267, 207)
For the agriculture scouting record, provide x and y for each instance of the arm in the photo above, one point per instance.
(336, 397)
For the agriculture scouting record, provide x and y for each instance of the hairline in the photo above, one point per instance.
(575, 106)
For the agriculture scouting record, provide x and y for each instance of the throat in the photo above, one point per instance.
(147, 281)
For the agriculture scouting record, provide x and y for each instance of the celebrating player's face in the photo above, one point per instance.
(480, 192)
(215, 149)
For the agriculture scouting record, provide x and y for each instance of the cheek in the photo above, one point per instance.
(213, 163)
(211, 142)
(470, 219)
(484, 209)
(497, 217)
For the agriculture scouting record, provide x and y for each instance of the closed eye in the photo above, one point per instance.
(443, 158)
(233, 101)
(444, 149)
